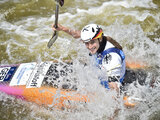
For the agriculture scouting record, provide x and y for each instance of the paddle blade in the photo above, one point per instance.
(53, 39)
(61, 2)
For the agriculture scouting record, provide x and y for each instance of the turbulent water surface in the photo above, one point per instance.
(25, 28)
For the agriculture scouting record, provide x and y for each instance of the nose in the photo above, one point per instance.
(89, 46)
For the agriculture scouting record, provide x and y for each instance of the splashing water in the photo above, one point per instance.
(25, 29)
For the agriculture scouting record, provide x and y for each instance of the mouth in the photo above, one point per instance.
(92, 49)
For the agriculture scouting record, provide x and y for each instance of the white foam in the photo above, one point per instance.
(140, 16)
(7, 26)
(126, 4)
(25, 33)
(37, 31)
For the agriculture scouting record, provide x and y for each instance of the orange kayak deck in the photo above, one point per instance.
(45, 95)
(51, 97)
(136, 65)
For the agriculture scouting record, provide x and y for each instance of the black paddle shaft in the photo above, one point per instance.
(56, 16)
(55, 34)
(59, 2)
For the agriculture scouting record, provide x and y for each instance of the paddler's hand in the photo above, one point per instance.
(114, 85)
(60, 28)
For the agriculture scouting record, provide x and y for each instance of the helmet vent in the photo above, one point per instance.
(92, 29)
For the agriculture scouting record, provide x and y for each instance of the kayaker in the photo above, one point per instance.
(107, 52)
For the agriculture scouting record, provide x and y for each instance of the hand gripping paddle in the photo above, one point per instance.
(55, 34)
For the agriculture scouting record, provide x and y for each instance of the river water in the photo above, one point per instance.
(25, 28)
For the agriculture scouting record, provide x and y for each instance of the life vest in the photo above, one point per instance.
(100, 57)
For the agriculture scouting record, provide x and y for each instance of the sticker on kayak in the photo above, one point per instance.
(22, 74)
(6, 73)
(38, 75)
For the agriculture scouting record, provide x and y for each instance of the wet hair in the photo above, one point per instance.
(114, 42)
(104, 42)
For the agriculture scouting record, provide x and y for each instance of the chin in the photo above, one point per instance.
(92, 53)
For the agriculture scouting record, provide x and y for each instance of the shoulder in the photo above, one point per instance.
(113, 42)
(108, 43)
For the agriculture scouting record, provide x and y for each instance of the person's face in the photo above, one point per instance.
(92, 46)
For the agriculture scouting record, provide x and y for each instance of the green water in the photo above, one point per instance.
(25, 29)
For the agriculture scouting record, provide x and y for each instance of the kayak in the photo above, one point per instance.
(29, 82)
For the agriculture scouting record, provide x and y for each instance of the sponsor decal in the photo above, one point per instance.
(10, 73)
(22, 74)
(3, 73)
(38, 75)
(107, 59)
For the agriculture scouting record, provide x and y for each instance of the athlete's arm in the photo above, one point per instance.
(114, 85)
(73, 33)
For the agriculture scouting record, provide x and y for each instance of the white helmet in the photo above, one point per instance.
(91, 32)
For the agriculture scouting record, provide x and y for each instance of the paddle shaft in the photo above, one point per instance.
(55, 33)
(56, 16)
